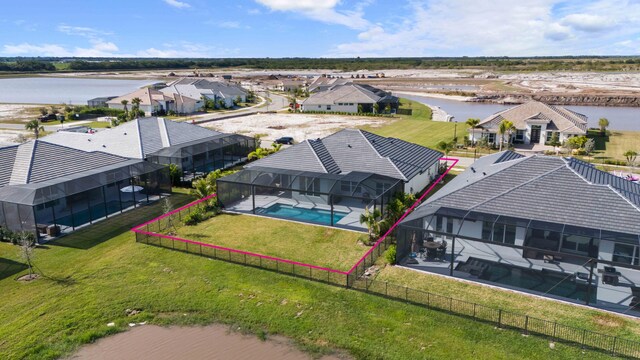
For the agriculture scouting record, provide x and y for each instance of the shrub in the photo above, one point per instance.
(390, 255)
(196, 216)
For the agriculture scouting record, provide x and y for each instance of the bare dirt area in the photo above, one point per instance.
(211, 342)
(16, 113)
(10, 137)
(299, 126)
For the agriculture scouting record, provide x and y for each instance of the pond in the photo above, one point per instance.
(45, 90)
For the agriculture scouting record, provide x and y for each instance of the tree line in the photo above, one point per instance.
(344, 64)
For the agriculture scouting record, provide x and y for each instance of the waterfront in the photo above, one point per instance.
(46, 90)
(620, 118)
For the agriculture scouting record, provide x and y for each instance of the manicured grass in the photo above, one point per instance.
(618, 143)
(315, 245)
(419, 111)
(537, 307)
(94, 275)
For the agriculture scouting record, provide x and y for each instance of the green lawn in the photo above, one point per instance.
(544, 309)
(616, 144)
(94, 275)
(417, 128)
(315, 245)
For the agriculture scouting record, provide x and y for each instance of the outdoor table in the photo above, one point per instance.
(432, 244)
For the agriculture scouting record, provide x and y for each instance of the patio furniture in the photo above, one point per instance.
(41, 228)
(53, 230)
(610, 279)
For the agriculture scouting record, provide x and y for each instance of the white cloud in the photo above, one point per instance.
(498, 28)
(30, 49)
(177, 4)
(87, 32)
(322, 10)
(588, 22)
(229, 24)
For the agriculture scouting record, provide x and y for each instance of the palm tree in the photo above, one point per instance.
(258, 153)
(398, 206)
(370, 219)
(445, 147)
(135, 108)
(631, 157)
(275, 147)
(473, 124)
(34, 125)
(603, 123)
(505, 127)
(124, 104)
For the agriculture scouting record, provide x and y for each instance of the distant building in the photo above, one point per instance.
(100, 101)
(196, 89)
(535, 123)
(350, 98)
(151, 101)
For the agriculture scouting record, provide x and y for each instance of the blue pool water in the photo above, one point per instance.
(311, 215)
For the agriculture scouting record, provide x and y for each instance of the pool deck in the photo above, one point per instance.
(353, 209)
(610, 297)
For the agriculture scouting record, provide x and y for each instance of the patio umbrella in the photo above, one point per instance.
(131, 188)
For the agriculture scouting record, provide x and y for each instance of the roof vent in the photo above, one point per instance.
(125, 133)
(473, 170)
(484, 173)
(349, 145)
(104, 146)
(88, 139)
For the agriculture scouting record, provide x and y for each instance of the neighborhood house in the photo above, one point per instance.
(553, 226)
(351, 98)
(332, 180)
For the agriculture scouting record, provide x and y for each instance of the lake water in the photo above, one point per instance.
(620, 118)
(43, 90)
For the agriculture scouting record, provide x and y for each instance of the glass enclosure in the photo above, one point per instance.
(61, 205)
(329, 199)
(202, 156)
(594, 266)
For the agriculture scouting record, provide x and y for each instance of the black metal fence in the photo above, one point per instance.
(555, 331)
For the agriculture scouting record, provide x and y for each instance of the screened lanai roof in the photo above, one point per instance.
(360, 183)
(200, 146)
(41, 192)
(429, 214)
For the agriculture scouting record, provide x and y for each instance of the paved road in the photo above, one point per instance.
(277, 102)
(48, 128)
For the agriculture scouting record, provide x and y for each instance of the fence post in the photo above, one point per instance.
(428, 300)
(499, 318)
(200, 249)
(406, 293)
(526, 324)
(474, 310)
(584, 334)
(386, 285)
(613, 350)
(555, 325)
(450, 304)
(245, 259)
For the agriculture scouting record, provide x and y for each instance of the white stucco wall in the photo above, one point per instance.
(420, 181)
(334, 108)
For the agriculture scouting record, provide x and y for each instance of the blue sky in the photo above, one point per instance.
(319, 28)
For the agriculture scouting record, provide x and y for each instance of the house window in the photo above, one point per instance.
(312, 186)
(519, 136)
(450, 225)
(319, 106)
(438, 223)
(381, 188)
(626, 254)
(550, 135)
(491, 138)
(328, 107)
(500, 233)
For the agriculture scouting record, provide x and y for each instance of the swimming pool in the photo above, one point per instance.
(318, 216)
(544, 281)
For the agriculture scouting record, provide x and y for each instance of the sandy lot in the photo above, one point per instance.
(299, 126)
(12, 112)
(10, 137)
(211, 342)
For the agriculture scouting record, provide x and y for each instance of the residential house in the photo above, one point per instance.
(553, 226)
(331, 180)
(198, 89)
(51, 189)
(151, 101)
(196, 150)
(535, 123)
(100, 101)
(350, 98)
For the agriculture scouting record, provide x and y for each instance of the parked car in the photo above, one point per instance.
(286, 140)
(48, 117)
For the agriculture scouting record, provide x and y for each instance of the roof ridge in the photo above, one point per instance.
(308, 142)
(516, 187)
(486, 176)
(139, 133)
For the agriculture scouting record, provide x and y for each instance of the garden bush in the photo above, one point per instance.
(390, 255)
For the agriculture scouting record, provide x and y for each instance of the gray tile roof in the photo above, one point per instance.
(557, 118)
(543, 188)
(47, 161)
(349, 93)
(7, 158)
(352, 150)
(135, 139)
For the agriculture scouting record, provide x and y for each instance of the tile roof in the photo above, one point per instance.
(556, 117)
(42, 161)
(147, 96)
(551, 189)
(350, 93)
(136, 138)
(352, 150)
